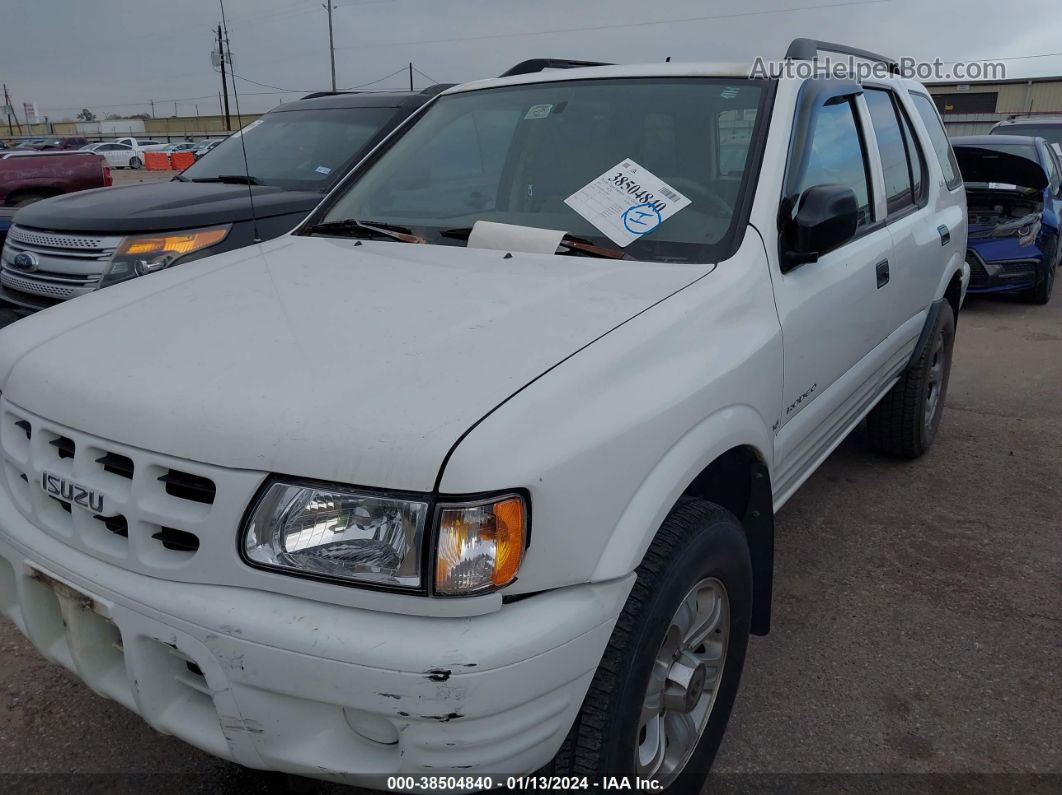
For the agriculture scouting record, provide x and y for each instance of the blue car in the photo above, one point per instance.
(1014, 196)
(6, 214)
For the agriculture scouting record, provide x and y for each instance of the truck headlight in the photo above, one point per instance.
(138, 255)
(325, 530)
(480, 545)
(332, 532)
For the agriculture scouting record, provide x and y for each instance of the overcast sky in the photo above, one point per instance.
(112, 56)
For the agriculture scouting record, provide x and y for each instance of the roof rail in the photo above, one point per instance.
(808, 50)
(542, 64)
(438, 88)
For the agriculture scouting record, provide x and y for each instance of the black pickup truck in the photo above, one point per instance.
(70, 245)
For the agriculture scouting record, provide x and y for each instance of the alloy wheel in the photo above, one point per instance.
(684, 683)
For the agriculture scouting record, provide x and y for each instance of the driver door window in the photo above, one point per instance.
(836, 156)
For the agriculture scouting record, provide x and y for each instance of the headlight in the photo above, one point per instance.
(1027, 234)
(378, 539)
(143, 254)
(480, 545)
(348, 535)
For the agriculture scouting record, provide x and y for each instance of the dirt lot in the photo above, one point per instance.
(917, 622)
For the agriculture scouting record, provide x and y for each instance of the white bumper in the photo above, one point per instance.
(279, 682)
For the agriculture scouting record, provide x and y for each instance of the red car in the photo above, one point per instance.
(26, 177)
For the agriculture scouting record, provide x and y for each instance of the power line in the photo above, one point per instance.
(612, 26)
(429, 78)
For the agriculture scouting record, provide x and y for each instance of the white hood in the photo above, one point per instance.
(318, 357)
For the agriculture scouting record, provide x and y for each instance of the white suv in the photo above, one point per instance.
(475, 473)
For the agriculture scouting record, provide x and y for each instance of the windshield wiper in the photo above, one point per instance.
(352, 227)
(574, 246)
(231, 179)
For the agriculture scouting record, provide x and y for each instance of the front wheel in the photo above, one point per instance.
(662, 695)
(135, 162)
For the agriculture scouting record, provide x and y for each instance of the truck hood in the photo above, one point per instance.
(162, 206)
(318, 357)
(991, 167)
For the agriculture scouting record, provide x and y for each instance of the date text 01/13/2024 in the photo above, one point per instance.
(523, 783)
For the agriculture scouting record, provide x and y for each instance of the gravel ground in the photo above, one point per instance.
(917, 621)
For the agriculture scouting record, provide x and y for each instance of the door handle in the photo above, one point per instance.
(945, 235)
(883, 273)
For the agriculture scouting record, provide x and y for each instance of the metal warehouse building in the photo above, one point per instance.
(972, 108)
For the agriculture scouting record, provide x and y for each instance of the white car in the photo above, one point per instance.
(117, 155)
(141, 145)
(474, 474)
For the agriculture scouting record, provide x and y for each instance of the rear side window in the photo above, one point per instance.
(899, 192)
(914, 153)
(928, 111)
(836, 156)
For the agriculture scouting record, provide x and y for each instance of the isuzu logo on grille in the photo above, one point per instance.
(25, 261)
(71, 492)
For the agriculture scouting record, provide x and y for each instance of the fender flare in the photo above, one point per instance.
(734, 426)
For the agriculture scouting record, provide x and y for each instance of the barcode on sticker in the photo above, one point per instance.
(667, 194)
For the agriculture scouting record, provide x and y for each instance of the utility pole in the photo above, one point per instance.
(152, 107)
(9, 108)
(410, 75)
(228, 56)
(175, 107)
(327, 5)
(224, 83)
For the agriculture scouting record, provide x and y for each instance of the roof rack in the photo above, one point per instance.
(542, 64)
(438, 88)
(809, 49)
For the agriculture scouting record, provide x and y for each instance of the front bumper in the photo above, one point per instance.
(283, 683)
(990, 274)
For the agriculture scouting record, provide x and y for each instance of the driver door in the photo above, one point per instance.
(834, 312)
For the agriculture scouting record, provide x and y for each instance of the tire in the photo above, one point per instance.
(135, 162)
(698, 543)
(905, 422)
(1041, 293)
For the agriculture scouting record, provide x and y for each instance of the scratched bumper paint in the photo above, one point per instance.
(275, 682)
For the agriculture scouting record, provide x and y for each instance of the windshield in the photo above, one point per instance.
(515, 155)
(1016, 150)
(1052, 133)
(297, 149)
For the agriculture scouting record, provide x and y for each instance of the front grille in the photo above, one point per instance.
(29, 284)
(157, 514)
(68, 265)
(33, 238)
(189, 487)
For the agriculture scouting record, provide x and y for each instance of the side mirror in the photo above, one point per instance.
(826, 219)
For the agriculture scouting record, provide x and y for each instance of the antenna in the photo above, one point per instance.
(243, 142)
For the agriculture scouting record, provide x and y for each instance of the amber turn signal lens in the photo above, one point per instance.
(480, 546)
(175, 244)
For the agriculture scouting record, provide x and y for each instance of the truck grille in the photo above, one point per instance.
(158, 515)
(69, 265)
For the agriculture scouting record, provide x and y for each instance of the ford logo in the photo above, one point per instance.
(26, 261)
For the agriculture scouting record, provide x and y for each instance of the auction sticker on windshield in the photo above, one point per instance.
(627, 202)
